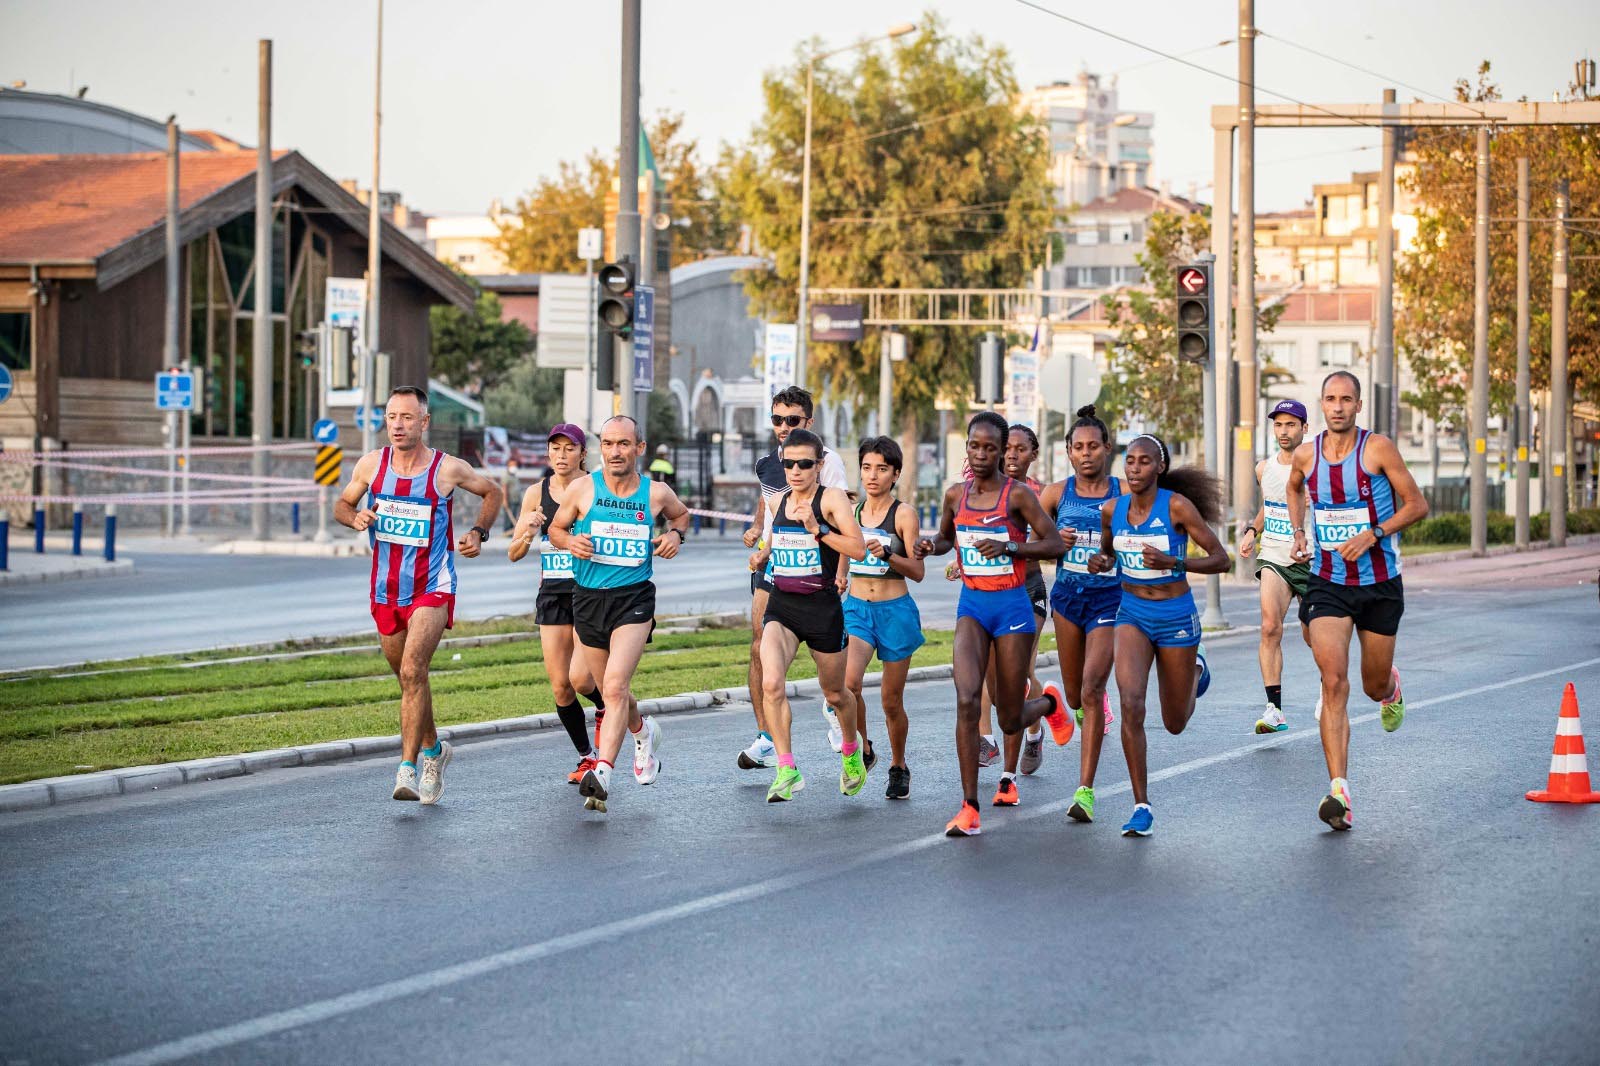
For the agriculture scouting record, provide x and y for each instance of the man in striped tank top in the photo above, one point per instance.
(400, 496)
(1361, 496)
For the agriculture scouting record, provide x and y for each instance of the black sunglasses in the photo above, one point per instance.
(803, 464)
(792, 421)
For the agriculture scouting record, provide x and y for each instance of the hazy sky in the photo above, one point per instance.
(481, 97)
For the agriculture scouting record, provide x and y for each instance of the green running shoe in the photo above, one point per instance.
(852, 773)
(1393, 712)
(1082, 809)
(785, 785)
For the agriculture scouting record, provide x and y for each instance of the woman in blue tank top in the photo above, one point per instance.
(1146, 535)
(1084, 605)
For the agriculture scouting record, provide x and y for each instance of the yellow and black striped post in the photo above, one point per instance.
(326, 470)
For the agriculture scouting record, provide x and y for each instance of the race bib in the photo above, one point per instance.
(403, 520)
(620, 543)
(554, 565)
(1130, 554)
(1276, 525)
(1076, 560)
(1335, 525)
(872, 566)
(973, 562)
(795, 553)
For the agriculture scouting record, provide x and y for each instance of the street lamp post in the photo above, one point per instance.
(805, 195)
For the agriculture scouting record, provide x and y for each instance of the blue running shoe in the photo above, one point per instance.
(1205, 671)
(1141, 824)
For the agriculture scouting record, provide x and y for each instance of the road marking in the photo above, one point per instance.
(326, 1009)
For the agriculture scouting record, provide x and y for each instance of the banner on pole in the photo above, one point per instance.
(783, 340)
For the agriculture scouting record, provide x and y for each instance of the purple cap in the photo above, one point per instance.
(575, 435)
(1289, 407)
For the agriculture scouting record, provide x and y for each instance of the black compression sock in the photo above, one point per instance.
(595, 698)
(576, 725)
(1275, 696)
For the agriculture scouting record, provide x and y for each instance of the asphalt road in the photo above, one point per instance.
(302, 916)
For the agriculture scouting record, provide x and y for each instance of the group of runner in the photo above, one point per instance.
(831, 573)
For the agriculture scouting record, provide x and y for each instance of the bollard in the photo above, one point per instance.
(77, 529)
(38, 530)
(294, 518)
(722, 526)
(696, 526)
(5, 543)
(111, 532)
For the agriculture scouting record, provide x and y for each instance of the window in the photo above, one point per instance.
(16, 340)
(465, 258)
(1280, 354)
(1333, 354)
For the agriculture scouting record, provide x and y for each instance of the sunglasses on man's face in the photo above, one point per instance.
(803, 464)
(792, 421)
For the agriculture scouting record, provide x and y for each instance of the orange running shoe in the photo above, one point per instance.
(599, 716)
(1006, 794)
(964, 824)
(585, 764)
(1061, 727)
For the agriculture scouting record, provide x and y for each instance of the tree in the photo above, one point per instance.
(528, 399)
(1434, 279)
(472, 350)
(923, 175)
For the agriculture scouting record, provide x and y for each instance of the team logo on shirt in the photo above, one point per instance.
(1366, 490)
(639, 515)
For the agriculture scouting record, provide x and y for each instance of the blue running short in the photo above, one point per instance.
(892, 627)
(1001, 613)
(1170, 623)
(1086, 606)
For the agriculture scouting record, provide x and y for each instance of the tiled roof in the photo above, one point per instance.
(1140, 199)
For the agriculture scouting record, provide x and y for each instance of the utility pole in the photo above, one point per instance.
(1560, 429)
(1386, 394)
(646, 276)
(261, 347)
(1244, 482)
(1479, 428)
(1524, 421)
(169, 347)
(628, 188)
(1213, 619)
(369, 354)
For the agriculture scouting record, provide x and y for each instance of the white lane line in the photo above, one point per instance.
(350, 1002)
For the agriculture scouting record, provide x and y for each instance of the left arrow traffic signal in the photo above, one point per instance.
(1194, 313)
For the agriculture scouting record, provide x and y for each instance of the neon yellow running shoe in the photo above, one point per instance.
(1082, 809)
(852, 773)
(785, 785)
(1394, 711)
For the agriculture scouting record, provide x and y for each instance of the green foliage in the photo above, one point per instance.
(662, 424)
(1434, 283)
(473, 350)
(1455, 527)
(923, 175)
(529, 399)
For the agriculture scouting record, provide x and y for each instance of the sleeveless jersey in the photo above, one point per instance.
(555, 567)
(1276, 542)
(1082, 515)
(973, 527)
(1346, 500)
(1157, 530)
(800, 563)
(411, 540)
(620, 531)
(872, 566)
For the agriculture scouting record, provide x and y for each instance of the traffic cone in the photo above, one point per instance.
(1569, 770)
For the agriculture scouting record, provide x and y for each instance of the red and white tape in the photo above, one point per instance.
(139, 471)
(58, 454)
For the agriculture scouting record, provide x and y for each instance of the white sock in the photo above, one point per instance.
(1035, 733)
(1337, 783)
(990, 738)
(1141, 806)
(1007, 775)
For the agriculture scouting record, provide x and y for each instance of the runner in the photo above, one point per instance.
(400, 495)
(879, 613)
(1354, 479)
(1085, 604)
(988, 516)
(1282, 578)
(1148, 532)
(812, 528)
(563, 662)
(791, 410)
(606, 522)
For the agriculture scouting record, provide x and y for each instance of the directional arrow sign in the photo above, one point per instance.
(1192, 280)
(326, 431)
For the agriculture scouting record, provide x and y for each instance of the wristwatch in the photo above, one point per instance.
(679, 532)
(1378, 533)
(1011, 547)
(483, 534)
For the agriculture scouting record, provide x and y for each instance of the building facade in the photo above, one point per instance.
(1095, 147)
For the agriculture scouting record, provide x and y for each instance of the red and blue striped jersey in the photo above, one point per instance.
(411, 540)
(1346, 500)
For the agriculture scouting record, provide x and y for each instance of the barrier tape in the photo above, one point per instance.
(279, 495)
(56, 454)
(139, 471)
(729, 515)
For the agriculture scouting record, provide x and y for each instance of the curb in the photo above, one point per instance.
(1575, 541)
(133, 780)
(120, 568)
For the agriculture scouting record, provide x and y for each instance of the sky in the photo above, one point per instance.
(482, 98)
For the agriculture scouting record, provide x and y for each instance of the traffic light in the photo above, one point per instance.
(616, 298)
(1194, 313)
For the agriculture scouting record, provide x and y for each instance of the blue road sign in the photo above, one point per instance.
(369, 418)
(174, 390)
(644, 338)
(326, 431)
(5, 382)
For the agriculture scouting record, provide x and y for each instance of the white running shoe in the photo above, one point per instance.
(595, 787)
(1271, 721)
(645, 744)
(835, 734)
(433, 774)
(761, 753)
(405, 783)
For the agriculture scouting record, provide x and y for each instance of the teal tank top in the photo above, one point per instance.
(620, 530)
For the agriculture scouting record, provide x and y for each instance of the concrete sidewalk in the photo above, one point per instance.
(26, 567)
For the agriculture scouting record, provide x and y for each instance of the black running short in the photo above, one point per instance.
(1374, 608)
(597, 613)
(553, 605)
(816, 618)
(758, 581)
(1039, 594)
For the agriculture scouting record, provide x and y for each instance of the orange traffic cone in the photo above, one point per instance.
(1569, 770)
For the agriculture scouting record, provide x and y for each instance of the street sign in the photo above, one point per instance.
(369, 418)
(644, 338)
(174, 390)
(5, 383)
(591, 242)
(1191, 281)
(326, 431)
(782, 340)
(326, 469)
